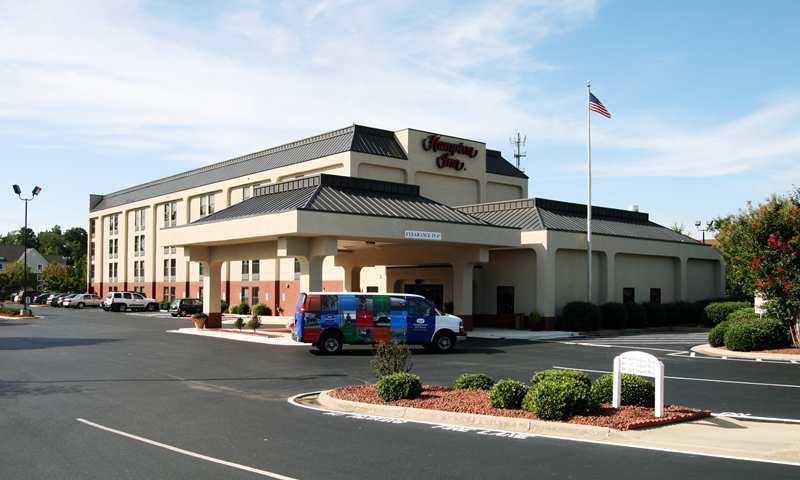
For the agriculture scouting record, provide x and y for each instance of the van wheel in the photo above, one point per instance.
(330, 343)
(444, 342)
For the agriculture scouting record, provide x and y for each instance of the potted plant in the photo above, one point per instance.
(199, 320)
(254, 323)
(239, 323)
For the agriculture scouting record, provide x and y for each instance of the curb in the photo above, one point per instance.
(471, 419)
(707, 349)
(33, 317)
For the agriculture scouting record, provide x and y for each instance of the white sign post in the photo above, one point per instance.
(642, 364)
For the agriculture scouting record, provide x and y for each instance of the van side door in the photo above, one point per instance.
(421, 321)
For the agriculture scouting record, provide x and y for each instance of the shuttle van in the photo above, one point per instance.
(329, 320)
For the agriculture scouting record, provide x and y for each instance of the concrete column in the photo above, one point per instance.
(352, 278)
(122, 253)
(683, 279)
(212, 287)
(151, 253)
(311, 274)
(100, 253)
(611, 275)
(545, 282)
(462, 291)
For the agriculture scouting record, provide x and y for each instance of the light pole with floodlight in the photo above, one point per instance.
(709, 226)
(35, 192)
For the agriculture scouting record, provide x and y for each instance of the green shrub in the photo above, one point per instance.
(473, 381)
(655, 314)
(238, 323)
(613, 315)
(637, 316)
(254, 322)
(690, 313)
(763, 334)
(716, 312)
(636, 390)
(558, 399)
(391, 357)
(747, 313)
(716, 337)
(397, 386)
(244, 309)
(560, 374)
(164, 305)
(672, 314)
(581, 316)
(535, 321)
(261, 309)
(233, 309)
(508, 394)
(223, 306)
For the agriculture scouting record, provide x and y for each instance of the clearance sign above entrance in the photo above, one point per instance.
(451, 152)
(422, 235)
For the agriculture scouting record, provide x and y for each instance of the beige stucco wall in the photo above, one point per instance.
(515, 268)
(570, 276)
(643, 273)
(702, 274)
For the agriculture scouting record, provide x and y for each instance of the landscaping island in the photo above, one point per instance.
(627, 417)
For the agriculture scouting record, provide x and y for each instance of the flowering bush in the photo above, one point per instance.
(777, 273)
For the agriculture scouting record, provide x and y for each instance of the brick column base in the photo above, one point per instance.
(468, 322)
(214, 320)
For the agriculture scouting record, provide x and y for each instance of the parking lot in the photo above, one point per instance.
(157, 405)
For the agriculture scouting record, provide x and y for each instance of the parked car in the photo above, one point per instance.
(41, 299)
(64, 298)
(330, 320)
(82, 300)
(51, 298)
(124, 301)
(185, 306)
(56, 300)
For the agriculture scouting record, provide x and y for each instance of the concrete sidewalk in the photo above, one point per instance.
(509, 334)
(266, 338)
(715, 436)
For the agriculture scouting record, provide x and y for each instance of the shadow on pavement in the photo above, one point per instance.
(6, 384)
(35, 343)
(16, 389)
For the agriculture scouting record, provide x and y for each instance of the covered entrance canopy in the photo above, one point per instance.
(359, 222)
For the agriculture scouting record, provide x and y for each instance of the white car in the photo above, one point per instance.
(81, 300)
(124, 301)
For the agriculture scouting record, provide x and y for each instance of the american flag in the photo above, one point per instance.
(597, 106)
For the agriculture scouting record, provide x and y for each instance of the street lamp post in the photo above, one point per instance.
(709, 226)
(18, 191)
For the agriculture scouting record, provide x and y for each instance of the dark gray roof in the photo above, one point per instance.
(347, 195)
(10, 253)
(355, 138)
(495, 163)
(55, 258)
(543, 214)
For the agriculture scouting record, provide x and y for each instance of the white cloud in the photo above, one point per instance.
(116, 73)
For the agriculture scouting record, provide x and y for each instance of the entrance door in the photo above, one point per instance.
(432, 291)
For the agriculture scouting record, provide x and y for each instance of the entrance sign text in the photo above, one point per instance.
(420, 235)
(435, 144)
(642, 364)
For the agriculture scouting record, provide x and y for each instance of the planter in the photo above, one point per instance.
(199, 323)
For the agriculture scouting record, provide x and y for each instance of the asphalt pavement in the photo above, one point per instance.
(162, 405)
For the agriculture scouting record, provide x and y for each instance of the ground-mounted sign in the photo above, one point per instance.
(422, 235)
(759, 305)
(644, 365)
(449, 151)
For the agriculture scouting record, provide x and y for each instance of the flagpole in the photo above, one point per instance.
(589, 193)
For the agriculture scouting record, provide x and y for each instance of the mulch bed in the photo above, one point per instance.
(477, 401)
(790, 350)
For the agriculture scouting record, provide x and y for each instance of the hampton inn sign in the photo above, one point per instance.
(435, 144)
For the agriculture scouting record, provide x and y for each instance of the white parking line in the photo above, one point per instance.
(601, 345)
(200, 456)
(713, 380)
(694, 356)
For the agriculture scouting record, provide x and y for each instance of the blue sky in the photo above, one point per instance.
(100, 95)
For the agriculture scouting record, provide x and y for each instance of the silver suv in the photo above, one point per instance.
(124, 301)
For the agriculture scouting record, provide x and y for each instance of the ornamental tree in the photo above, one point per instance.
(777, 273)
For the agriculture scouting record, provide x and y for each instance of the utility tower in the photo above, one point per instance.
(519, 143)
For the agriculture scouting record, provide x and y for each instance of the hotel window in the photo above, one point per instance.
(206, 204)
(245, 270)
(91, 272)
(138, 219)
(169, 269)
(91, 250)
(244, 295)
(113, 225)
(655, 295)
(246, 192)
(255, 295)
(628, 295)
(169, 294)
(113, 247)
(255, 271)
(201, 269)
(172, 250)
(170, 214)
(92, 227)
